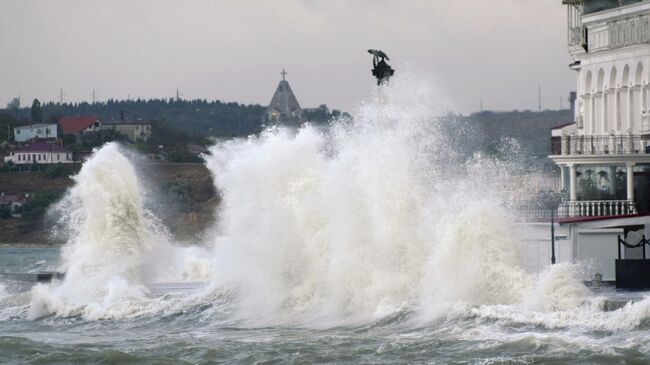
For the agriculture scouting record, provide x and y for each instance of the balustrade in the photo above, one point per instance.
(596, 208)
(602, 145)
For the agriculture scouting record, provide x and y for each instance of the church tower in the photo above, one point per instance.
(284, 107)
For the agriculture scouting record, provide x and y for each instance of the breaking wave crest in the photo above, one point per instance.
(115, 245)
(374, 220)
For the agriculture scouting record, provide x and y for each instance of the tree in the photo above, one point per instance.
(6, 122)
(36, 206)
(37, 112)
(14, 106)
(5, 212)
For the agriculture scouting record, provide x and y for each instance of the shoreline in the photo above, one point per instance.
(30, 245)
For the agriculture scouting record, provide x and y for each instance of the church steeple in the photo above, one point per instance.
(284, 107)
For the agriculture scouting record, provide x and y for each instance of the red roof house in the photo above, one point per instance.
(74, 125)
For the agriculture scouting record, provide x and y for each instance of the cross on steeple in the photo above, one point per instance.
(283, 73)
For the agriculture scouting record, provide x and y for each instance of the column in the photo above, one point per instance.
(629, 107)
(612, 181)
(562, 184)
(617, 107)
(605, 112)
(630, 181)
(641, 107)
(573, 195)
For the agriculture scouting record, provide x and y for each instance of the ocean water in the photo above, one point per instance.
(372, 241)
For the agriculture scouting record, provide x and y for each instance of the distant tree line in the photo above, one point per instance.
(196, 117)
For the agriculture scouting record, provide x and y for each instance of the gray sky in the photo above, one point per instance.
(498, 50)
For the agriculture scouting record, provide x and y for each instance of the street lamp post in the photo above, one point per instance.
(550, 200)
(552, 237)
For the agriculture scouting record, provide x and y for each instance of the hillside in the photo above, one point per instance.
(183, 197)
(492, 133)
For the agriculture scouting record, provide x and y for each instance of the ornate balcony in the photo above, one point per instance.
(596, 208)
(603, 145)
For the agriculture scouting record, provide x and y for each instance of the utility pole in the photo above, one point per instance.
(61, 96)
(539, 97)
(93, 95)
(178, 95)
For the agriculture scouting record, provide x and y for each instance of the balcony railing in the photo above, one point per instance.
(603, 145)
(596, 208)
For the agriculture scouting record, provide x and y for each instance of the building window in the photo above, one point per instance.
(17, 131)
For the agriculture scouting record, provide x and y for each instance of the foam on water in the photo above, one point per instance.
(370, 218)
(115, 245)
(361, 222)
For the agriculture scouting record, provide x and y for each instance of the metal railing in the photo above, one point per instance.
(602, 145)
(642, 243)
(596, 208)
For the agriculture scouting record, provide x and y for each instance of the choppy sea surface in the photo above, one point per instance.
(374, 240)
(203, 330)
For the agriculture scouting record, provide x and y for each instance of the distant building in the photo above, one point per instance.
(284, 107)
(135, 130)
(80, 124)
(39, 153)
(28, 132)
(197, 149)
(14, 202)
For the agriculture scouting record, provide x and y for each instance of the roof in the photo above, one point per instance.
(126, 122)
(8, 199)
(40, 125)
(72, 125)
(563, 125)
(42, 147)
(284, 102)
(597, 218)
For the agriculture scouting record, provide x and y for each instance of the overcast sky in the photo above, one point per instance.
(497, 50)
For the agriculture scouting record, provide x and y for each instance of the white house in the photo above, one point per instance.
(603, 155)
(39, 153)
(135, 130)
(28, 132)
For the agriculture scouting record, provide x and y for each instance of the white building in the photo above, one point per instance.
(39, 153)
(135, 130)
(604, 156)
(29, 132)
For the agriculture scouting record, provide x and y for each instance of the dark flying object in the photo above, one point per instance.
(378, 53)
